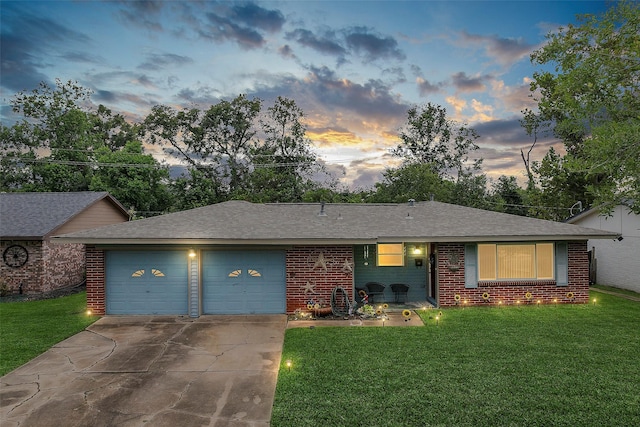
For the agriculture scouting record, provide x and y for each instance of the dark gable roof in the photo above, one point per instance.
(238, 222)
(35, 215)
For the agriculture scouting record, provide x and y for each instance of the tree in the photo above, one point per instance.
(429, 137)
(244, 155)
(15, 159)
(560, 188)
(533, 125)
(332, 195)
(471, 190)
(53, 122)
(508, 196)
(418, 181)
(193, 190)
(135, 179)
(216, 142)
(63, 144)
(592, 99)
(226, 137)
(283, 162)
(436, 161)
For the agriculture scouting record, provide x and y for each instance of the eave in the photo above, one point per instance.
(321, 242)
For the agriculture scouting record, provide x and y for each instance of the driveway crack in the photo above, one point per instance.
(113, 349)
(34, 394)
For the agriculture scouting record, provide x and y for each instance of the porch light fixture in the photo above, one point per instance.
(192, 253)
(417, 250)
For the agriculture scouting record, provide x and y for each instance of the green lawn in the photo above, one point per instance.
(566, 365)
(28, 329)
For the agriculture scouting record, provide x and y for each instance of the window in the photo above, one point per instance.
(154, 271)
(250, 272)
(515, 261)
(390, 254)
(544, 259)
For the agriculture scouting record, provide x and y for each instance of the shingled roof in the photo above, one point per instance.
(239, 222)
(37, 215)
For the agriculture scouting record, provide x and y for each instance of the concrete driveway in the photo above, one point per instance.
(151, 371)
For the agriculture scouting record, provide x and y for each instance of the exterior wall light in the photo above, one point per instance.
(192, 253)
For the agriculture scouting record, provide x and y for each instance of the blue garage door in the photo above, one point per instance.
(243, 282)
(146, 282)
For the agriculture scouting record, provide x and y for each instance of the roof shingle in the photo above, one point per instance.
(237, 222)
(34, 215)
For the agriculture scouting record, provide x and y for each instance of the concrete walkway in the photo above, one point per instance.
(151, 371)
(393, 318)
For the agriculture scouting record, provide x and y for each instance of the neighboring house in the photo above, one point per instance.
(30, 263)
(238, 257)
(617, 261)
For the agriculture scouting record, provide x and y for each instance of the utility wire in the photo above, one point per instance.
(139, 165)
(157, 166)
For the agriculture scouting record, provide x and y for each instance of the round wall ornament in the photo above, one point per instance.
(15, 256)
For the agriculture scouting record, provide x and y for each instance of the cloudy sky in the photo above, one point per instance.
(354, 67)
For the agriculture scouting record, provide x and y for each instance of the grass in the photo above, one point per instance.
(617, 290)
(565, 365)
(28, 329)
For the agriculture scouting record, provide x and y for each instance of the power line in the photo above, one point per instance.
(79, 163)
(141, 165)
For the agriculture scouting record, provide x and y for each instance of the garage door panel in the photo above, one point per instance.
(146, 282)
(244, 282)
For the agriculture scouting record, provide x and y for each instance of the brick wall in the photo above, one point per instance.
(451, 282)
(29, 276)
(95, 280)
(62, 265)
(48, 267)
(302, 267)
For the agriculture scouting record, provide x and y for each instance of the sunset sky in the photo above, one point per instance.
(354, 67)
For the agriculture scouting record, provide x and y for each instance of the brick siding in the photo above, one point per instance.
(63, 265)
(301, 269)
(451, 283)
(96, 280)
(49, 267)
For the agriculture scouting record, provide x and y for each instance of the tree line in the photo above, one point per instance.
(242, 149)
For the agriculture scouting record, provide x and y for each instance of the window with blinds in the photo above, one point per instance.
(515, 261)
(390, 254)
